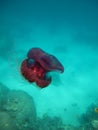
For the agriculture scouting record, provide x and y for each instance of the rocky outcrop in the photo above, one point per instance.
(3, 92)
(6, 122)
(21, 107)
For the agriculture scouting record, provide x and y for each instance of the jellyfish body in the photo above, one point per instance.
(38, 64)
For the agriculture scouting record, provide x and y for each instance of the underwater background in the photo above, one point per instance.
(67, 29)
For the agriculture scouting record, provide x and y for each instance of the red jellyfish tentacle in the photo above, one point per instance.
(43, 83)
(27, 72)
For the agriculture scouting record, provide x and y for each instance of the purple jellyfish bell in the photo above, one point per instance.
(47, 61)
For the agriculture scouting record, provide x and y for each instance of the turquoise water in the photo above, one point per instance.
(67, 30)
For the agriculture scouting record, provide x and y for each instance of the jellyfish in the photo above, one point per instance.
(38, 64)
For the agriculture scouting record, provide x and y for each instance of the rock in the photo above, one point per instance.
(6, 122)
(21, 107)
(3, 92)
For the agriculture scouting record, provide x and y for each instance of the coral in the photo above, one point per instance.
(6, 122)
(21, 107)
(18, 112)
(89, 115)
(54, 123)
(88, 119)
(95, 124)
(49, 123)
(70, 127)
